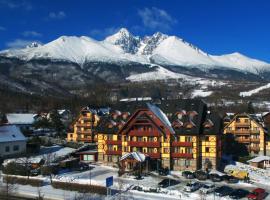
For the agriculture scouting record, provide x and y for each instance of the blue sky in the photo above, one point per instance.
(215, 26)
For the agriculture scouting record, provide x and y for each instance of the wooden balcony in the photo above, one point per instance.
(243, 140)
(83, 125)
(255, 140)
(114, 142)
(84, 132)
(143, 133)
(182, 144)
(111, 152)
(143, 144)
(256, 149)
(86, 140)
(153, 155)
(242, 124)
(242, 132)
(181, 155)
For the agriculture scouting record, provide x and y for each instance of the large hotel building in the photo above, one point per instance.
(178, 134)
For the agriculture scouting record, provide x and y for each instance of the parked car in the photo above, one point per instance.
(201, 175)
(239, 194)
(257, 194)
(168, 182)
(163, 171)
(191, 187)
(215, 177)
(230, 179)
(35, 172)
(188, 174)
(223, 191)
(138, 188)
(207, 188)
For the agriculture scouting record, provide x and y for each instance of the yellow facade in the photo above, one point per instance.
(248, 131)
(83, 127)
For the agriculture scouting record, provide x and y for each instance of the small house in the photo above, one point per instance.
(260, 162)
(12, 141)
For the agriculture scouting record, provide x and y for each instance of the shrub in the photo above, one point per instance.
(83, 188)
(23, 181)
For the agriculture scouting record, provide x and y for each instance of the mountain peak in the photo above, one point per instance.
(34, 45)
(125, 40)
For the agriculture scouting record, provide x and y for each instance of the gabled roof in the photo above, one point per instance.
(259, 159)
(245, 115)
(158, 112)
(20, 118)
(11, 133)
(140, 157)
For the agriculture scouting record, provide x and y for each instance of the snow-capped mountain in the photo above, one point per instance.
(123, 56)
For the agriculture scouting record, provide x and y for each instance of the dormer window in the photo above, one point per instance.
(208, 124)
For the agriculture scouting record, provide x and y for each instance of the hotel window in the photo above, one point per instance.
(109, 158)
(207, 149)
(188, 139)
(188, 150)
(187, 163)
(7, 149)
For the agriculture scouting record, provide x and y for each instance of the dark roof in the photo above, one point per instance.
(192, 111)
(217, 124)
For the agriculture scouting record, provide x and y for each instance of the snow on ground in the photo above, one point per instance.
(254, 91)
(159, 74)
(201, 93)
(255, 174)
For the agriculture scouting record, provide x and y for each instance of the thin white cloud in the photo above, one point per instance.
(19, 43)
(31, 34)
(14, 4)
(104, 32)
(2, 28)
(156, 19)
(57, 15)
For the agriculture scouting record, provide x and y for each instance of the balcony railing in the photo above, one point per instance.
(182, 155)
(143, 144)
(83, 124)
(243, 140)
(255, 140)
(85, 140)
(254, 149)
(112, 152)
(143, 133)
(84, 132)
(115, 142)
(182, 144)
(242, 132)
(153, 155)
(242, 124)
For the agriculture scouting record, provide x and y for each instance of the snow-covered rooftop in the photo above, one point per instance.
(20, 118)
(259, 159)
(11, 133)
(135, 155)
(161, 115)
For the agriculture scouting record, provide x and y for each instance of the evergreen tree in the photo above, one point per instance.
(250, 108)
(56, 122)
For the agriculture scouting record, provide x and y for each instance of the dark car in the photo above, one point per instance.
(223, 191)
(163, 171)
(201, 175)
(229, 179)
(239, 194)
(168, 182)
(188, 174)
(215, 177)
